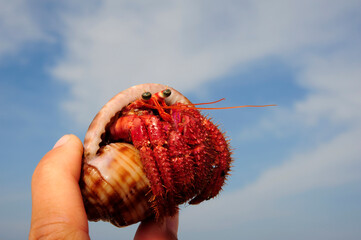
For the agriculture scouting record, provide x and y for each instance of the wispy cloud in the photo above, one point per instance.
(183, 44)
(332, 104)
(270, 201)
(18, 27)
(112, 45)
(330, 164)
(334, 81)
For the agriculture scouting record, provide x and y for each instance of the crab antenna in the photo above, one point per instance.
(222, 99)
(219, 108)
(192, 106)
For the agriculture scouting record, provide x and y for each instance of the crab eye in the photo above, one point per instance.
(146, 95)
(167, 92)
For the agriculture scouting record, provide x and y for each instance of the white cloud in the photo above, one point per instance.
(17, 26)
(335, 82)
(330, 164)
(333, 104)
(183, 44)
(186, 44)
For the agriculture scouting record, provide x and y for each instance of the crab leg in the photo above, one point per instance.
(182, 164)
(131, 128)
(189, 124)
(221, 164)
(157, 131)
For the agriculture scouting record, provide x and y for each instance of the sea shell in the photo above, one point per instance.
(113, 184)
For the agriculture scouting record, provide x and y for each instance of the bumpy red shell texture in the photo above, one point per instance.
(166, 159)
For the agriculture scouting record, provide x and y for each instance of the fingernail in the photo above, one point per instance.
(61, 141)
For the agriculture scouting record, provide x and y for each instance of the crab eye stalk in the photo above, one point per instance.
(167, 92)
(146, 95)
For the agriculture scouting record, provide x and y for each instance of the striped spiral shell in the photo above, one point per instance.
(113, 183)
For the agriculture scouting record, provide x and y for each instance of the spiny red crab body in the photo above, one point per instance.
(185, 156)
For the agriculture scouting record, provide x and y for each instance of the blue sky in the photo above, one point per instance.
(297, 169)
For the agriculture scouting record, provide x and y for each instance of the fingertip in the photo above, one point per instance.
(69, 139)
(173, 223)
(56, 196)
(63, 140)
(65, 157)
(162, 230)
(74, 138)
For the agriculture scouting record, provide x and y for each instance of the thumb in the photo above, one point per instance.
(57, 206)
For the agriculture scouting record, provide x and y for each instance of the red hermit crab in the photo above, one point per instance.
(148, 150)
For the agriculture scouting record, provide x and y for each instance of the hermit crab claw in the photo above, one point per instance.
(148, 151)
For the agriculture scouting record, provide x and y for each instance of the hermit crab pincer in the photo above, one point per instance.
(147, 151)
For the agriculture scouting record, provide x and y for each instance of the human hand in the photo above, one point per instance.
(57, 206)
